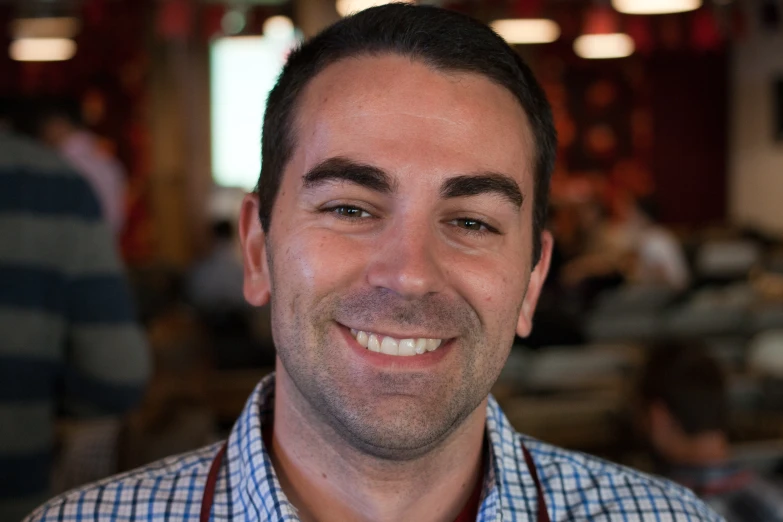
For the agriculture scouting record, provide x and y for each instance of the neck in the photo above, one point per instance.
(327, 480)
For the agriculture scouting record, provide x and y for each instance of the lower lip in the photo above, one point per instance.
(402, 362)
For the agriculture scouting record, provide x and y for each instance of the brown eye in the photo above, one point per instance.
(473, 226)
(470, 224)
(349, 212)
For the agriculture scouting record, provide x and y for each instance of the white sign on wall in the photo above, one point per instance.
(242, 70)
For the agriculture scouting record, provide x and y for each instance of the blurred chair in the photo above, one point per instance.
(635, 298)
(566, 369)
(729, 350)
(765, 360)
(765, 354)
(630, 313)
(767, 316)
(712, 311)
(726, 259)
(636, 327)
(569, 395)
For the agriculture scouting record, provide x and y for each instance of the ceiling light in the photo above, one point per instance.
(42, 49)
(655, 6)
(48, 27)
(527, 30)
(279, 28)
(601, 46)
(233, 22)
(347, 7)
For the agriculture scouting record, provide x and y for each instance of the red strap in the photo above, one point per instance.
(543, 516)
(209, 488)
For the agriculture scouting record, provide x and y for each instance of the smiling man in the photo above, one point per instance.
(397, 233)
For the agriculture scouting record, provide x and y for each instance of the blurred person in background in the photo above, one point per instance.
(596, 262)
(684, 415)
(241, 333)
(68, 340)
(630, 248)
(59, 126)
(398, 233)
(658, 256)
(215, 282)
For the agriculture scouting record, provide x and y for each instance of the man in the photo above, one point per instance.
(406, 158)
(68, 339)
(685, 412)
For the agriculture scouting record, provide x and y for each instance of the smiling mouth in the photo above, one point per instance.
(393, 346)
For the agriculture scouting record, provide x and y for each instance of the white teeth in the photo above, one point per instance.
(362, 338)
(407, 347)
(389, 346)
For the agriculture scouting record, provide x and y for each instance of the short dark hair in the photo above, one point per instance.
(441, 39)
(689, 382)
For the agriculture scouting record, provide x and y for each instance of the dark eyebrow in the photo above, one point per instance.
(483, 183)
(342, 169)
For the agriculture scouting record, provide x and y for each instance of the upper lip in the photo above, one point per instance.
(396, 335)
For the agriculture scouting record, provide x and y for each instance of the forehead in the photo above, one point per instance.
(393, 112)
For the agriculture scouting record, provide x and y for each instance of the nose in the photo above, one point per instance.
(406, 261)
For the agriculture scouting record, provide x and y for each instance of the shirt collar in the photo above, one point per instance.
(256, 487)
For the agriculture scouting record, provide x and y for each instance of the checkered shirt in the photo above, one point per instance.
(576, 486)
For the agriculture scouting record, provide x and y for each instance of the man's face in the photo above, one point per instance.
(404, 212)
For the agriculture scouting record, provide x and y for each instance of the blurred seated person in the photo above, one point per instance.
(593, 260)
(60, 127)
(631, 248)
(659, 257)
(216, 280)
(242, 333)
(684, 413)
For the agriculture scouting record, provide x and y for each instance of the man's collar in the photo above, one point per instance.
(256, 482)
(259, 489)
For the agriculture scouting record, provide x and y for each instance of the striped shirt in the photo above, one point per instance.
(576, 486)
(68, 340)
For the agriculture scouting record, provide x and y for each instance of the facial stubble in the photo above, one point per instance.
(387, 415)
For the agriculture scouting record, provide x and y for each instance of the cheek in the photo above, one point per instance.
(316, 261)
(494, 288)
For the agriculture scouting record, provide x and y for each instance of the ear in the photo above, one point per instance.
(257, 284)
(536, 283)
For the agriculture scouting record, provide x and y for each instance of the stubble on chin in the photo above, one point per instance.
(373, 412)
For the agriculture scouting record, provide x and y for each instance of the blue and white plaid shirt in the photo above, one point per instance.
(577, 486)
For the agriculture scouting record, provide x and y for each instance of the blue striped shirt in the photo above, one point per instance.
(576, 486)
(68, 339)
